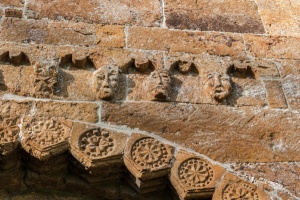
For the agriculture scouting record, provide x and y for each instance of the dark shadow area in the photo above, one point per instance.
(68, 62)
(244, 71)
(184, 68)
(65, 79)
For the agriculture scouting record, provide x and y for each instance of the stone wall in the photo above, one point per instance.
(215, 81)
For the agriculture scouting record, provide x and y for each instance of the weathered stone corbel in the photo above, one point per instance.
(44, 137)
(99, 151)
(194, 177)
(148, 161)
(232, 187)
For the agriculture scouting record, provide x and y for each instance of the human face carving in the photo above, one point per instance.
(158, 85)
(217, 85)
(106, 82)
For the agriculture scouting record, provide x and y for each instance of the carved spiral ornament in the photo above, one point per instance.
(149, 153)
(240, 192)
(195, 173)
(96, 143)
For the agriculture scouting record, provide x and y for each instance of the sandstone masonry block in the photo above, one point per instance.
(246, 137)
(224, 44)
(77, 111)
(147, 13)
(10, 12)
(110, 36)
(17, 30)
(12, 2)
(275, 96)
(272, 46)
(71, 33)
(280, 18)
(227, 16)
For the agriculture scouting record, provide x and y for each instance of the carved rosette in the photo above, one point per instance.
(149, 153)
(195, 173)
(231, 187)
(96, 143)
(240, 192)
(45, 136)
(194, 177)
(146, 157)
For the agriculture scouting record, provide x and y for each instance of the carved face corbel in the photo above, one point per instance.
(217, 85)
(45, 79)
(105, 82)
(158, 85)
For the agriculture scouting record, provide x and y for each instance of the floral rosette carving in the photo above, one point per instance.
(149, 153)
(240, 191)
(195, 173)
(45, 132)
(96, 143)
(9, 130)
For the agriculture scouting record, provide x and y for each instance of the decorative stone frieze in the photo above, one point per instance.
(232, 187)
(45, 79)
(193, 176)
(99, 151)
(148, 161)
(45, 137)
(14, 57)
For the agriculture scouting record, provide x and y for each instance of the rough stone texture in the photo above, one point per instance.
(286, 173)
(275, 94)
(128, 12)
(280, 18)
(12, 3)
(9, 12)
(232, 187)
(87, 112)
(223, 44)
(226, 16)
(111, 36)
(289, 70)
(201, 127)
(19, 30)
(272, 46)
(229, 92)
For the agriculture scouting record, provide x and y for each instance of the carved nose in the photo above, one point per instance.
(217, 81)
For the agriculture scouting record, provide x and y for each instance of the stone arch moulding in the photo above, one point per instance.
(102, 155)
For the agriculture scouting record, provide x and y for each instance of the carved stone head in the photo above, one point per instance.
(217, 85)
(158, 85)
(105, 82)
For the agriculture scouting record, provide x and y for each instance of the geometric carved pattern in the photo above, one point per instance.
(195, 173)
(149, 153)
(9, 130)
(241, 191)
(45, 132)
(96, 143)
